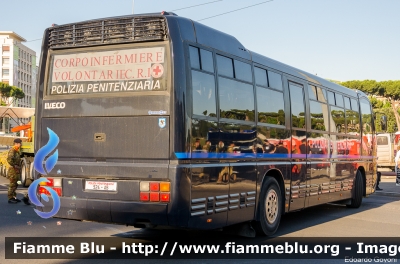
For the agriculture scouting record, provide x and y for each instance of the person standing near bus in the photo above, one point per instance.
(14, 159)
(396, 168)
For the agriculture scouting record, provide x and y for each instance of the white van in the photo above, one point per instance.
(386, 149)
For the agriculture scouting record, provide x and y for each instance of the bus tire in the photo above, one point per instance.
(24, 172)
(355, 202)
(270, 208)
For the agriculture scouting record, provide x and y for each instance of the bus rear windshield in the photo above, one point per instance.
(111, 71)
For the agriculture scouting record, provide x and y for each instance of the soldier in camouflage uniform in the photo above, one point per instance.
(14, 159)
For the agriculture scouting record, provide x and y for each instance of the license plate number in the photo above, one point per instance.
(100, 186)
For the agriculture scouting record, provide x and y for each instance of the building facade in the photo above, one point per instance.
(17, 68)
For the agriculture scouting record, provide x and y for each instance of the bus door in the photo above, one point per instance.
(240, 150)
(297, 146)
(209, 176)
(299, 172)
(319, 170)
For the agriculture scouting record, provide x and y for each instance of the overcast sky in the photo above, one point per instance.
(335, 39)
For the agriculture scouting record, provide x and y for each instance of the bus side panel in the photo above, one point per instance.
(209, 199)
(344, 174)
(179, 206)
(283, 169)
(242, 192)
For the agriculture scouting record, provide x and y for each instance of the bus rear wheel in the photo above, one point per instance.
(270, 208)
(355, 202)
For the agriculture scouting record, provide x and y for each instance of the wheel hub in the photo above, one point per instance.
(271, 206)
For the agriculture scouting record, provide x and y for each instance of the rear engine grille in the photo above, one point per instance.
(108, 31)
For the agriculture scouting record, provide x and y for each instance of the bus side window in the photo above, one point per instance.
(270, 105)
(312, 92)
(297, 105)
(243, 71)
(331, 98)
(321, 94)
(225, 66)
(275, 80)
(203, 94)
(347, 104)
(353, 122)
(203, 82)
(319, 116)
(201, 61)
(236, 99)
(194, 57)
(366, 116)
(337, 120)
(339, 100)
(206, 59)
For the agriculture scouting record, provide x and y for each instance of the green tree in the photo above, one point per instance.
(388, 89)
(7, 91)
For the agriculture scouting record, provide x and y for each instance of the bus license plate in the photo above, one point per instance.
(100, 186)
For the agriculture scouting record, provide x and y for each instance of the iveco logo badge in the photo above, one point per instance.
(162, 122)
(56, 105)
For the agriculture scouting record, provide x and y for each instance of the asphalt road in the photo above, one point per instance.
(377, 217)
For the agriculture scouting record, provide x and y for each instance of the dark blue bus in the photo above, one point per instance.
(164, 121)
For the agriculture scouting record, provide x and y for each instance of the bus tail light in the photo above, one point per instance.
(154, 186)
(154, 191)
(43, 190)
(50, 182)
(58, 190)
(164, 187)
(54, 183)
(154, 197)
(57, 182)
(144, 186)
(164, 197)
(144, 196)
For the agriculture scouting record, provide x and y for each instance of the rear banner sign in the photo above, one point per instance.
(128, 70)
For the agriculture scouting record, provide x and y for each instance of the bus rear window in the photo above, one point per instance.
(111, 71)
(382, 140)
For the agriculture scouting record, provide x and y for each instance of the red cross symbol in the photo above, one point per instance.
(157, 70)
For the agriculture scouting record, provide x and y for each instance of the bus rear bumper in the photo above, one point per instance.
(111, 211)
